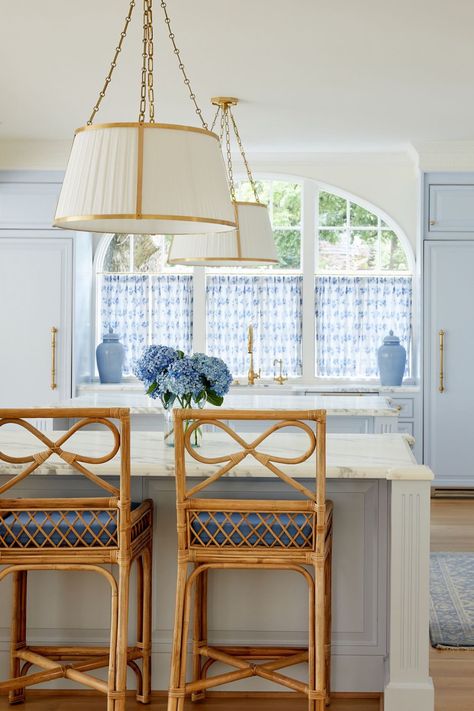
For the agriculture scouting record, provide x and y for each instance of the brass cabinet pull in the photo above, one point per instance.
(54, 331)
(441, 361)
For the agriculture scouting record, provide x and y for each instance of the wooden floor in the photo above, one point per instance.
(453, 672)
(88, 703)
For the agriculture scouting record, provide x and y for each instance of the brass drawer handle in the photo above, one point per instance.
(54, 331)
(441, 361)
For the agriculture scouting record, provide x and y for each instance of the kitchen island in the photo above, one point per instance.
(381, 560)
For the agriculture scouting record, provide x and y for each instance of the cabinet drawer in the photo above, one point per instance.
(404, 405)
(406, 428)
(451, 208)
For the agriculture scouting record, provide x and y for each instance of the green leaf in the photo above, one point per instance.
(152, 389)
(214, 399)
(180, 354)
(168, 399)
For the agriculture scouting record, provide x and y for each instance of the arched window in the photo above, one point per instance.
(343, 282)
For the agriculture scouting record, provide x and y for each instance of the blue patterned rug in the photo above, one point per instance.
(452, 600)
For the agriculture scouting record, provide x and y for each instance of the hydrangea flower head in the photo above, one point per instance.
(183, 378)
(154, 362)
(215, 372)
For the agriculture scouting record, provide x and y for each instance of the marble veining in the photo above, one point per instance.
(349, 456)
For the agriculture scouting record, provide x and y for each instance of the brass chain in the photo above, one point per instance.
(244, 157)
(214, 120)
(226, 128)
(113, 64)
(192, 95)
(146, 88)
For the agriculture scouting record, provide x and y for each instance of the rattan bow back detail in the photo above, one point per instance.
(256, 448)
(56, 447)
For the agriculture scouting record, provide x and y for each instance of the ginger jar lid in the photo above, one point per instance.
(391, 340)
(110, 336)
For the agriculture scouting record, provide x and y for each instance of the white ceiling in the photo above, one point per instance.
(313, 74)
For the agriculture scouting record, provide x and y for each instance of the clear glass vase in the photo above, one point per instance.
(196, 436)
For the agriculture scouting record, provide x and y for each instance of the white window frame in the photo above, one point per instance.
(309, 226)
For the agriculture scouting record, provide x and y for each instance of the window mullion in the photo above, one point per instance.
(199, 309)
(309, 208)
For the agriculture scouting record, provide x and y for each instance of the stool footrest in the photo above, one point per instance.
(243, 658)
(259, 652)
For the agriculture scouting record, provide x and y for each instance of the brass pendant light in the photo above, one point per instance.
(252, 243)
(145, 177)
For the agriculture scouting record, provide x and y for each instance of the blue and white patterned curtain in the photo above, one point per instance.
(124, 308)
(273, 304)
(353, 315)
(146, 308)
(172, 311)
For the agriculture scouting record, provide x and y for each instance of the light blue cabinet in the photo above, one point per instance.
(448, 327)
(448, 361)
(448, 206)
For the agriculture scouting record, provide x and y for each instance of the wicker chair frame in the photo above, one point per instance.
(241, 534)
(83, 534)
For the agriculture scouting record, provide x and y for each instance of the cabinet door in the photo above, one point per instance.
(451, 208)
(35, 296)
(449, 415)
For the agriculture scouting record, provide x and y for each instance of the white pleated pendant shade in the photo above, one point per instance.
(252, 244)
(145, 178)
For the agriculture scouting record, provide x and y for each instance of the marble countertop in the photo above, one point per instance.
(335, 405)
(351, 456)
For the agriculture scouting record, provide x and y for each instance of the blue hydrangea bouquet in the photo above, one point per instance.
(191, 381)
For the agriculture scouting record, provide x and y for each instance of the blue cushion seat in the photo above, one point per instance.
(268, 530)
(57, 529)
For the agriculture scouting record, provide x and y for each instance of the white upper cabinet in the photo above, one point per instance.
(35, 297)
(451, 209)
(28, 205)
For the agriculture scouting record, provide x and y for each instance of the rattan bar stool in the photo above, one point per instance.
(87, 534)
(216, 533)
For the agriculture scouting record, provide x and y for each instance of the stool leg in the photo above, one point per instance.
(139, 620)
(179, 641)
(146, 624)
(186, 618)
(18, 631)
(320, 660)
(328, 615)
(122, 637)
(200, 630)
(312, 642)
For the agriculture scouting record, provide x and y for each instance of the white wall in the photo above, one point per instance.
(387, 180)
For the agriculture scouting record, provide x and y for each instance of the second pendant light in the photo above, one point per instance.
(252, 243)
